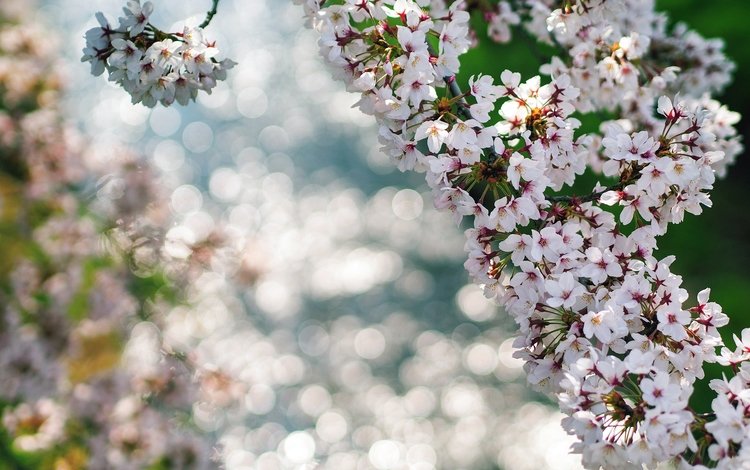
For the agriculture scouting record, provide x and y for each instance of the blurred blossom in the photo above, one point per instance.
(79, 218)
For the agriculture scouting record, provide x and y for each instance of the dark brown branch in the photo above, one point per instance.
(463, 105)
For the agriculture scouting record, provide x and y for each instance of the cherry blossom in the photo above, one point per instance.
(151, 65)
(604, 326)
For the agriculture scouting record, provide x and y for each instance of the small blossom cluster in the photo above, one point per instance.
(151, 65)
(625, 65)
(604, 325)
(731, 428)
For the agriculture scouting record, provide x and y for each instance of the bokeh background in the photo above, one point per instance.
(355, 335)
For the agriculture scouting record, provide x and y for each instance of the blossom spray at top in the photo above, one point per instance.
(151, 65)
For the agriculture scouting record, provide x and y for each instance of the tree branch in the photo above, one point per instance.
(590, 197)
(453, 88)
(463, 105)
(210, 14)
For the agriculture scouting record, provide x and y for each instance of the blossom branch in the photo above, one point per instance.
(578, 287)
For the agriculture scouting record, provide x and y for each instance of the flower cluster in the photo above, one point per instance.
(604, 325)
(151, 65)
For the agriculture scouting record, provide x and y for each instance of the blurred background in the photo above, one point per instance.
(342, 317)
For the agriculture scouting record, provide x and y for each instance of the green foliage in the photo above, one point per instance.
(79, 304)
